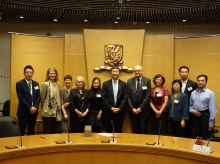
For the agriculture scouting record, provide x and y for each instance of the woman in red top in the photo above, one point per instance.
(158, 103)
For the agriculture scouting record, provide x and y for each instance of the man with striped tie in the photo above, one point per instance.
(28, 93)
(139, 88)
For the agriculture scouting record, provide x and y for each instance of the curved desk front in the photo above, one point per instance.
(130, 149)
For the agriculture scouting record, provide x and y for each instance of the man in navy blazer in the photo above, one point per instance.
(28, 93)
(139, 102)
(188, 86)
(114, 96)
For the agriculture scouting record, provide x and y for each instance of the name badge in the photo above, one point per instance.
(176, 101)
(159, 95)
(190, 88)
(144, 87)
(98, 95)
(36, 87)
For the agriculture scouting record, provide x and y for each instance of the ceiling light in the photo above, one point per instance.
(118, 17)
(85, 20)
(183, 20)
(55, 20)
(21, 17)
(147, 22)
(116, 21)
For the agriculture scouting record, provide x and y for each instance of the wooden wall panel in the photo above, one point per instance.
(40, 52)
(74, 58)
(158, 57)
(202, 56)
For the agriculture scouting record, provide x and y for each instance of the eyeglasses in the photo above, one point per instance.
(29, 73)
(137, 70)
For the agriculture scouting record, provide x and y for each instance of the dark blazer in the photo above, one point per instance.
(180, 109)
(188, 90)
(25, 97)
(108, 96)
(143, 98)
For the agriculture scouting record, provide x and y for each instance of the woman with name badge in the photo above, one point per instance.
(178, 109)
(95, 106)
(50, 101)
(158, 103)
(79, 105)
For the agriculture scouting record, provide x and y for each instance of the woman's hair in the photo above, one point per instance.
(79, 78)
(94, 79)
(159, 76)
(177, 81)
(67, 77)
(47, 74)
(94, 91)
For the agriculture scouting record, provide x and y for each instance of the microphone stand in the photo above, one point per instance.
(16, 123)
(158, 141)
(113, 133)
(214, 131)
(68, 141)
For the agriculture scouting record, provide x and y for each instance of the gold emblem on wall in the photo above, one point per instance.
(113, 57)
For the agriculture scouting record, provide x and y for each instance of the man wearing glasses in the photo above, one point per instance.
(28, 93)
(139, 101)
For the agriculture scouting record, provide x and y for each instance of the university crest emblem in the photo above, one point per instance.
(113, 57)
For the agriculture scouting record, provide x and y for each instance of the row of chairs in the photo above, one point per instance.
(7, 128)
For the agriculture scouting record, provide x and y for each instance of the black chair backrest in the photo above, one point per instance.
(7, 128)
(6, 108)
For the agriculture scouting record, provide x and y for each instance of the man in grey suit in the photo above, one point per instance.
(188, 86)
(114, 96)
(139, 88)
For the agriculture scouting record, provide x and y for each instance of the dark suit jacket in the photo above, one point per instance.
(188, 90)
(25, 97)
(143, 98)
(108, 96)
(180, 109)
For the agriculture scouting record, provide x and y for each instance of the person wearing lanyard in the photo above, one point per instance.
(28, 93)
(203, 107)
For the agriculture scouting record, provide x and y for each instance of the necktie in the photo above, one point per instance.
(115, 89)
(29, 86)
(137, 89)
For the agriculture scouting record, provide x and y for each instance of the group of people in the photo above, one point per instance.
(189, 107)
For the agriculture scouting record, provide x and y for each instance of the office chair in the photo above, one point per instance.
(6, 108)
(7, 128)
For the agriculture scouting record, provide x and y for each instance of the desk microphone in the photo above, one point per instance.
(16, 123)
(158, 141)
(113, 133)
(214, 131)
(68, 134)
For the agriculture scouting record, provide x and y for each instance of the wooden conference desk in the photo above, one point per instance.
(130, 149)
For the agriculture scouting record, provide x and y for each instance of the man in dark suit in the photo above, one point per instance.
(139, 88)
(114, 95)
(28, 93)
(188, 86)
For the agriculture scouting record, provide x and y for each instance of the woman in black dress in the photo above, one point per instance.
(95, 105)
(78, 103)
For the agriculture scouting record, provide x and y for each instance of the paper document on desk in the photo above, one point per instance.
(105, 134)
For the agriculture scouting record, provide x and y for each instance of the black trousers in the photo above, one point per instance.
(176, 129)
(50, 125)
(77, 125)
(27, 121)
(189, 126)
(139, 123)
(118, 122)
(155, 123)
(201, 125)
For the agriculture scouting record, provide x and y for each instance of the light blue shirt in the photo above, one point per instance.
(203, 100)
